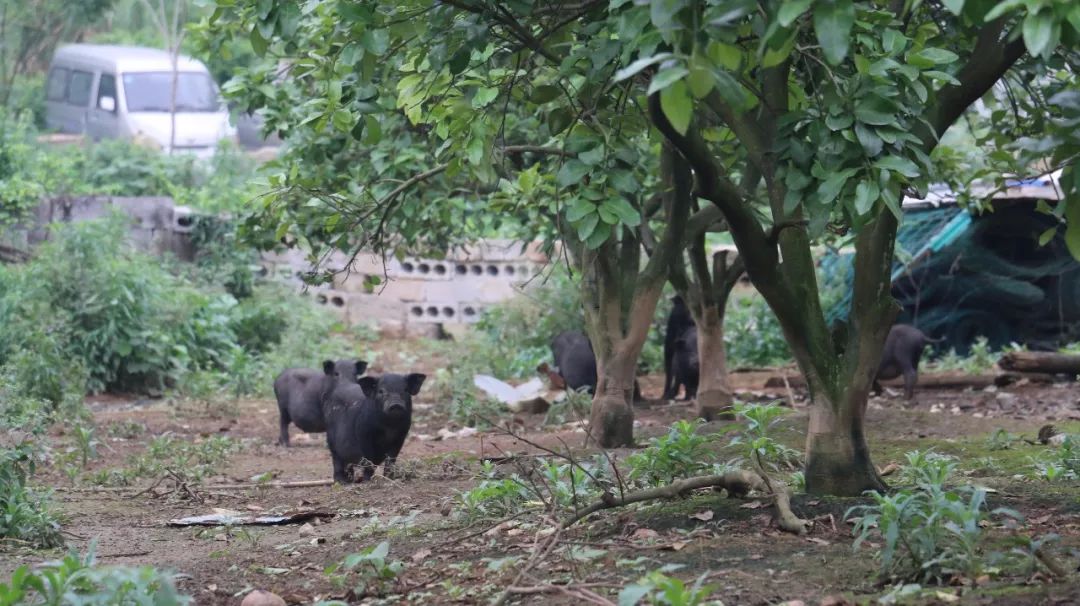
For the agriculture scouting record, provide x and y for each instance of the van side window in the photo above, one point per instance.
(57, 86)
(106, 88)
(79, 88)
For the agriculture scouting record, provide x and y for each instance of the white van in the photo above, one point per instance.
(114, 92)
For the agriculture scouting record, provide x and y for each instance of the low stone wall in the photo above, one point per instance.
(416, 294)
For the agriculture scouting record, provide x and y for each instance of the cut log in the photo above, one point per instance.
(1041, 361)
(945, 380)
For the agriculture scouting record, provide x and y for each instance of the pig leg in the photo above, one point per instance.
(283, 436)
(389, 465)
(340, 477)
(670, 388)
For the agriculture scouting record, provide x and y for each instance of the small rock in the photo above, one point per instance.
(262, 598)
(307, 530)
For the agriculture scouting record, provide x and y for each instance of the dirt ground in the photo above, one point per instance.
(734, 542)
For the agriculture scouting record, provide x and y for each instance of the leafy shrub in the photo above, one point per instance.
(752, 334)
(681, 452)
(368, 572)
(926, 468)
(659, 589)
(192, 461)
(78, 580)
(495, 496)
(25, 515)
(1062, 463)
(756, 439)
(980, 359)
(929, 534)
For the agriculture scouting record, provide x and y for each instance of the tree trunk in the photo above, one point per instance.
(837, 458)
(611, 422)
(714, 396)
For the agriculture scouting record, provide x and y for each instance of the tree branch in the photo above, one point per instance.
(761, 259)
(536, 149)
(738, 482)
(989, 61)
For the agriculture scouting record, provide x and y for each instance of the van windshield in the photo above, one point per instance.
(152, 92)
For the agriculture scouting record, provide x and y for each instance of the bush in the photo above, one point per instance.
(25, 515)
(929, 533)
(77, 580)
(682, 452)
(752, 334)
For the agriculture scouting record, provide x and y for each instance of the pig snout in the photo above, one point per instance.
(395, 406)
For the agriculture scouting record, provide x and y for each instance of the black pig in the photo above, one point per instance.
(678, 321)
(903, 348)
(367, 423)
(574, 360)
(302, 392)
(575, 363)
(685, 365)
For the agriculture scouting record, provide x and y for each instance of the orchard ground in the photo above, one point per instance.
(450, 560)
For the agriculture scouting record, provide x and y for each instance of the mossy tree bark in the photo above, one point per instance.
(620, 297)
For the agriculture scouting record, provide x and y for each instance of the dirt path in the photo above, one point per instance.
(749, 560)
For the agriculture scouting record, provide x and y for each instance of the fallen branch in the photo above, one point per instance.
(738, 482)
(297, 484)
(1052, 564)
(1041, 361)
(579, 592)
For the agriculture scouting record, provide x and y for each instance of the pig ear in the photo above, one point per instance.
(413, 382)
(361, 366)
(328, 367)
(369, 385)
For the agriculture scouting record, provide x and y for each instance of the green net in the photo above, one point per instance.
(959, 277)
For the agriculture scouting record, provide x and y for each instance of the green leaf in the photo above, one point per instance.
(372, 130)
(1072, 227)
(587, 224)
(571, 173)
(937, 56)
(484, 96)
(640, 64)
(868, 115)
(593, 156)
(258, 43)
(624, 181)
(343, 120)
(666, 77)
(870, 141)
(832, 23)
(460, 60)
(607, 215)
(701, 79)
(622, 209)
(677, 106)
(598, 237)
(838, 122)
(544, 93)
(1002, 8)
(663, 12)
(954, 6)
(289, 19)
(578, 209)
(375, 41)
(726, 56)
(632, 594)
(558, 120)
(893, 41)
(830, 189)
(897, 164)
(1047, 235)
(792, 10)
(1038, 30)
(866, 194)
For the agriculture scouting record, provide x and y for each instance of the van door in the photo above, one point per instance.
(103, 120)
(77, 101)
(56, 97)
